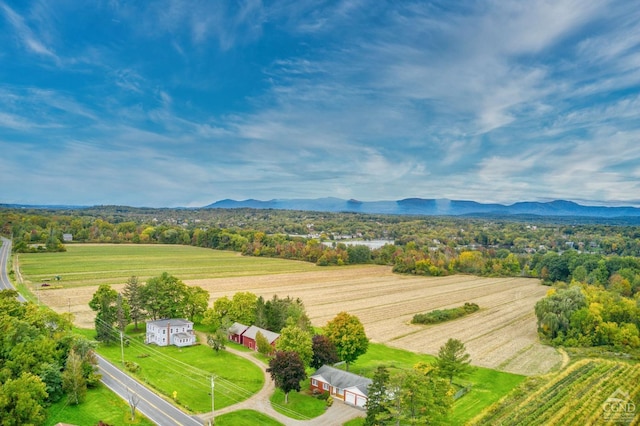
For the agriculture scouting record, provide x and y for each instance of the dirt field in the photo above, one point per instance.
(501, 335)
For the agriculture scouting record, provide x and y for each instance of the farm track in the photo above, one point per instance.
(501, 335)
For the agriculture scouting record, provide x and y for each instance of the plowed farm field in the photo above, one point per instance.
(502, 335)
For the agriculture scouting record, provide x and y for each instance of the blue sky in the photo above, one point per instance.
(185, 102)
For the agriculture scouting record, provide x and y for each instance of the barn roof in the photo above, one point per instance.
(237, 328)
(253, 331)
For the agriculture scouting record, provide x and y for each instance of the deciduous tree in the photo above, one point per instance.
(164, 297)
(196, 302)
(73, 381)
(324, 351)
(243, 308)
(263, 345)
(105, 304)
(287, 371)
(415, 398)
(347, 334)
(294, 339)
(218, 340)
(21, 401)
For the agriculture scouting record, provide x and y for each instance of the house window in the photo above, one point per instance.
(340, 391)
(325, 386)
(314, 382)
(164, 331)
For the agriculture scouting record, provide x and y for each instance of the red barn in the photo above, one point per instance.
(235, 332)
(249, 337)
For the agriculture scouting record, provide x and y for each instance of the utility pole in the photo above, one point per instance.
(122, 348)
(213, 409)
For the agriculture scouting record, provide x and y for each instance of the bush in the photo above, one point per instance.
(324, 396)
(132, 366)
(442, 315)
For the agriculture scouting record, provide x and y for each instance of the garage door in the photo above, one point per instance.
(350, 398)
(361, 401)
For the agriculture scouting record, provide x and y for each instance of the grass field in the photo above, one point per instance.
(245, 418)
(301, 405)
(187, 371)
(101, 404)
(93, 264)
(588, 392)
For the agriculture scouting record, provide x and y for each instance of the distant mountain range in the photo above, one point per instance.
(434, 207)
(407, 206)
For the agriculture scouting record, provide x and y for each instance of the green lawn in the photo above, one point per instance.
(301, 405)
(187, 372)
(94, 264)
(245, 417)
(488, 386)
(101, 404)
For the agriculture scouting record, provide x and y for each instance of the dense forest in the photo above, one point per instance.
(600, 261)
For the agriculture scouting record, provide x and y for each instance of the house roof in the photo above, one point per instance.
(237, 328)
(253, 331)
(342, 379)
(172, 321)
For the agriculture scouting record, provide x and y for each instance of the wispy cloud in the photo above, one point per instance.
(198, 100)
(26, 35)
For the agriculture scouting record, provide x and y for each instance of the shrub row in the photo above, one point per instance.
(442, 315)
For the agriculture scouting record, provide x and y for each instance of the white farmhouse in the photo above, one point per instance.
(175, 331)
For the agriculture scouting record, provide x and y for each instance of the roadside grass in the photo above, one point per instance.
(100, 404)
(359, 421)
(246, 417)
(184, 374)
(301, 406)
(488, 386)
(95, 264)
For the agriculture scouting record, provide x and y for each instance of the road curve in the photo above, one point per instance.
(5, 283)
(151, 405)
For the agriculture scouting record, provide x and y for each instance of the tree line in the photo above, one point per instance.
(41, 361)
(427, 246)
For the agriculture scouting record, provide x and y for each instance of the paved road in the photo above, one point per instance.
(5, 251)
(151, 405)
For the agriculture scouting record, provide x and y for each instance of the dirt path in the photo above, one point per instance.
(337, 414)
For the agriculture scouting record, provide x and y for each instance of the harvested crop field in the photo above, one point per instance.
(501, 335)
